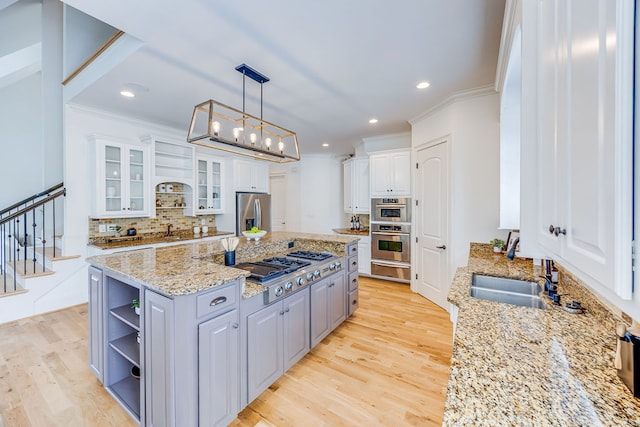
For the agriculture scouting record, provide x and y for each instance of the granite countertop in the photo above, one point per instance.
(155, 238)
(363, 232)
(194, 267)
(528, 367)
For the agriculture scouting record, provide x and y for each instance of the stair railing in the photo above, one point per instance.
(23, 227)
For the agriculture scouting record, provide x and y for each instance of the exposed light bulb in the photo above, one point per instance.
(236, 133)
(281, 146)
(252, 138)
(216, 128)
(267, 142)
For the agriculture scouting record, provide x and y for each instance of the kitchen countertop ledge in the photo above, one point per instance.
(529, 367)
(363, 232)
(194, 267)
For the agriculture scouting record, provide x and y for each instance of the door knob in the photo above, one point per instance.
(557, 230)
(441, 247)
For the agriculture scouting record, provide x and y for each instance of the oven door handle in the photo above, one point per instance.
(389, 233)
(390, 264)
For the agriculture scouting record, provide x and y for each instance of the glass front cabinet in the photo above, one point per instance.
(122, 180)
(209, 198)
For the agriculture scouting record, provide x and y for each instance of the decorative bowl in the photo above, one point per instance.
(254, 236)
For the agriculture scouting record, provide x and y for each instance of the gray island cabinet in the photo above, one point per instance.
(187, 357)
(204, 345)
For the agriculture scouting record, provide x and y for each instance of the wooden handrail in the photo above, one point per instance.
(93, 57)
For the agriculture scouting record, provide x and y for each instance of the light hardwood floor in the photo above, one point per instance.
(387, 365)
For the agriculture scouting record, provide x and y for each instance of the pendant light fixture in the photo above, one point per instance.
(222, 127)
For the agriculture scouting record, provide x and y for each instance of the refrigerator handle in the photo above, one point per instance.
(257, 213)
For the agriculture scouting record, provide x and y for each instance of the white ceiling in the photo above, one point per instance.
(333, 64)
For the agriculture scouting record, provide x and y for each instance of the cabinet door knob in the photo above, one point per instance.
(235, 326)
(557, 230)
(217, 301)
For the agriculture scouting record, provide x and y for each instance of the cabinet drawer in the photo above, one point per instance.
(353, 302)
(217, 301)
(352, 249)
(353, 264)
(353, 281)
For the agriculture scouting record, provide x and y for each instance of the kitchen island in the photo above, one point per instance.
(524, 366)
(190, 357)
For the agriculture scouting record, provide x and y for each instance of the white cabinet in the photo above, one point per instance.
(122, 180)
(364, 255)
(356, 185)
(251, 176)
(584, 112)
(209, 189)
(390, 173)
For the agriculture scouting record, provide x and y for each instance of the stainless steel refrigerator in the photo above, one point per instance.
(253, 210)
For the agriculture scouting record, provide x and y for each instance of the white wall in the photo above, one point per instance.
(471, 123)
(314, 193)
(22, 144)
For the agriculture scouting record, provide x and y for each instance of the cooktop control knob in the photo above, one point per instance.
(300, 281)
(279, 291)
(288, 286)
(332, 266)
(309, 276)
(316, 274)
(338, 264)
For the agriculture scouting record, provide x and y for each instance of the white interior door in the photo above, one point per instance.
(277, 184)
(431, 221)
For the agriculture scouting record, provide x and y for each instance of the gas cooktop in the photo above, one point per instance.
(316, 256)
(282, 275)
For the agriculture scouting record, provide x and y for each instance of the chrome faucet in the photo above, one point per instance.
(169, 229)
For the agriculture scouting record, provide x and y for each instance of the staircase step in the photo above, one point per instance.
(10, 291)
(29, 272)
(57, 256)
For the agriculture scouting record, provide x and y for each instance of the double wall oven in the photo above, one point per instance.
(391, 238)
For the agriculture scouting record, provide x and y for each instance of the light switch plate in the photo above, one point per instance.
(102, 228)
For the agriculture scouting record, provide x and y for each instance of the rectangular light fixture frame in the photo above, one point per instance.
(284, 142)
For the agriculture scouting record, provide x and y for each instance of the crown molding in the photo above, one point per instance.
(510, 25)
(456, 97)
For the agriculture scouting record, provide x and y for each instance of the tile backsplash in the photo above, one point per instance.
(176, 217)
(170, 209)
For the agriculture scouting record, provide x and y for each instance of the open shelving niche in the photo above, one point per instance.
(123, 326)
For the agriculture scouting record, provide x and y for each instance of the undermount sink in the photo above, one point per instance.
(510, 291)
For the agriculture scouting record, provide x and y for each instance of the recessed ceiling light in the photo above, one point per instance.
(423, 85)
(325, 144)
(127, 93)
(374, 120)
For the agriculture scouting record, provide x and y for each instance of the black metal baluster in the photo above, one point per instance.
(33, 248)
(4, 257)
(16, 250)
(24, 241)
(53, 214)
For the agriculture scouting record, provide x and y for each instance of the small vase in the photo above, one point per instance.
(497, 249)
(137, 310)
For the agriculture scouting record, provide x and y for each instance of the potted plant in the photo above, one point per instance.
(118, 229)
(497, 244)
(135, 303)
